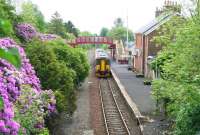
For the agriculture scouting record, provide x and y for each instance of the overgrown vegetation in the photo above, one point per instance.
(20, 93)
(24, 105)
(118, 31)
(75, 59)
(179, 64)
(61, 28)
(32, 15)
(60, 68)
(8, 18)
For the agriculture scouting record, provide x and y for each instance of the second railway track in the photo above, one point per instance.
(114, 121)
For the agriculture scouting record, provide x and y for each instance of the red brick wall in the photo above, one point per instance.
(147, 48)
(139, 59)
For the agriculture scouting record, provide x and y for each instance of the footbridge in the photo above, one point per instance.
(95, 40)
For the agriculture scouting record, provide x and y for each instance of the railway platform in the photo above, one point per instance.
(139, 95)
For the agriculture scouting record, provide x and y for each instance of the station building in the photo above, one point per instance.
(145, 48)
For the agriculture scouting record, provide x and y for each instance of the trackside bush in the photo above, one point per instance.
(60, 68)
(53, 74)
(179, 85)
(74, 58)
(23, 103)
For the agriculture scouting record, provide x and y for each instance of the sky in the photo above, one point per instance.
(92, 15)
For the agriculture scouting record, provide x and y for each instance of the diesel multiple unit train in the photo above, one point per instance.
(102, 64)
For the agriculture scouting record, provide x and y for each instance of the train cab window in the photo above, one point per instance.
(98, 61)
(108, 62)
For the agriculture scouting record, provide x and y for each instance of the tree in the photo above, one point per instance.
(104, 32)
(7, 11)
(70, 28)
(118, 22)
(56, 25)
(31, 14)
(86, 33)
(7, 18)
(120, 33)
(179, 85)
(65, 30)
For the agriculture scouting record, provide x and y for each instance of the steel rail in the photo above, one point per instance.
(103, 111)
(106, 121)
(121, 116)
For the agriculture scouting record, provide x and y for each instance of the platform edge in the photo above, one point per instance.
(129, 101)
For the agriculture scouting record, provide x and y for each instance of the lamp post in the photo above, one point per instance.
(127, 28)
(127, 36)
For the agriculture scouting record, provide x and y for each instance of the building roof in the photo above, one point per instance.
(147, 26)
(155, 23)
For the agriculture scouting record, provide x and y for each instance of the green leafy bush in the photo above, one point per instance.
(29, 111)
(53, 74)
(65, 101)
(74, 58)
(12, 56)
(180, 80)
(6, 28)
(45, 131)
(8, 18)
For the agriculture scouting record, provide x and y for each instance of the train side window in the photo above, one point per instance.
(108, 62)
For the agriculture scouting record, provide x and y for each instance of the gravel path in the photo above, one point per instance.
(80, 123)
(88, 118)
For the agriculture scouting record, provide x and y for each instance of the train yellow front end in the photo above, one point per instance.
(102, 64)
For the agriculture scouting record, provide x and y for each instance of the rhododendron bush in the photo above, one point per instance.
(23, 104)
(46, 37)
(27, 32)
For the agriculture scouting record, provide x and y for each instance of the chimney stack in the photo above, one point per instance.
(158, 12)
(168, 5)
(165, 3)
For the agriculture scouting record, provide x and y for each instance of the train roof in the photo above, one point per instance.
(99, 50)
(102, 54)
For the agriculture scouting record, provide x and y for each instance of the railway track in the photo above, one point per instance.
(113, 119)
